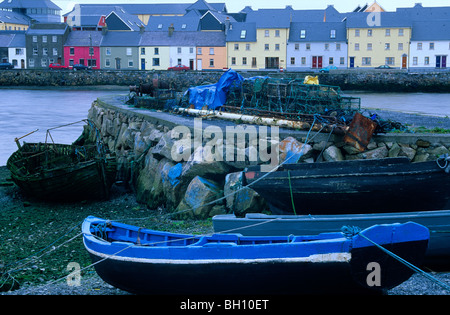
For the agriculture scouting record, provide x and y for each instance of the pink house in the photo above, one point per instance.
(83, 47)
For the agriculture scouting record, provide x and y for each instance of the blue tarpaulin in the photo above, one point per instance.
(213, 95)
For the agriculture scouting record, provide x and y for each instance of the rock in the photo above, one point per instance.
(394, 150)
(407, 151)
(149, 185)
(171, 178)
(290, 146)
(422, 143)
(421, 157)
(436, 152)
(350, 149)
(241, 201)
(333, 154)
(378, 153)
(200, 196)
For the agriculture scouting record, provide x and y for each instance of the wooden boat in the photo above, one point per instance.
(144, 261)
(53, 171)
(356, 186)
(258, 224)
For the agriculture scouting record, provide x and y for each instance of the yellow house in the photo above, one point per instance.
(12, 21)
(378, 38)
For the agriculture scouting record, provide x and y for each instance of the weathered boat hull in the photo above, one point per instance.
(359, 186)
(257, 224)
(71, 180)
(233, 264)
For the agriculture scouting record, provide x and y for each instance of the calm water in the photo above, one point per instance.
(22, 111)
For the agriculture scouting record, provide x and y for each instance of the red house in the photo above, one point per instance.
(83, 47)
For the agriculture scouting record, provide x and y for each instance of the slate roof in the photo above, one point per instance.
(130, 20)
(387, 19)
(6, 39)
(18, 40)
(318, 32)
(431, 30)
(213, 39)
(234, 34)
(47, 29)
(330, 14)
(420, 13)
(13, 17)
(81, 38)
(121, 39)
(184, 23)
(24, 4)
(270, 18)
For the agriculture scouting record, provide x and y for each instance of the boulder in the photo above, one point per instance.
(332, 154)
(407, 151)
(378, 153)
(291, 146)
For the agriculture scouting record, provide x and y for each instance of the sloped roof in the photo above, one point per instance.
(131, 21)
(420, 13)
(431, 30)
(83, 38)
(213, 39)
(24, 4)
(387, 19)
(234, 34)
(121, 39)
(6, 39)
(317, 32)
(270, 18)
(180, 23)
(13, 17)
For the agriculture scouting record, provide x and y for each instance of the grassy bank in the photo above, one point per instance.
(36, 244)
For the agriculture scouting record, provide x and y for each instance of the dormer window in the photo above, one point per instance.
(243, 34)
(333, 34)
(183, 26)
(159, 26)
(303, 34)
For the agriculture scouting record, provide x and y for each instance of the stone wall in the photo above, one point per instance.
(369, 80)
(148, 146)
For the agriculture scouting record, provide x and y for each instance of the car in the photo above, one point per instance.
(327, 69)
(179, 68)
(384, 67)
(6, 65)
(57, 66)
(80, 66)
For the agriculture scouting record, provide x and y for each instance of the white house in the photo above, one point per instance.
(17, 53)
(314, 45)
(430, 44)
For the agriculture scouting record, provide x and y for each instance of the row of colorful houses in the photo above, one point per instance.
(204, 36)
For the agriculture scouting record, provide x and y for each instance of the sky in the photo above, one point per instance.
(235, 6)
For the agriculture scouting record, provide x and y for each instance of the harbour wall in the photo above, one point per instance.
(173, 163)
(368, 80)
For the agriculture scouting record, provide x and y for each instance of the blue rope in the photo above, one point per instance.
(411, 266)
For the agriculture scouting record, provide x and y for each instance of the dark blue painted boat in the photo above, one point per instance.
(151, 262)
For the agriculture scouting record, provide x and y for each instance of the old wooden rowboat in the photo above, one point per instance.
(258, 224)
(151, 262)
(356, 186)
(62, 171)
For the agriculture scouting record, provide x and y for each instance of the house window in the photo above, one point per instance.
(43, 63)
(178, 50)
(211, 51)
(34, 39)
(297, 46)
(92, 63)
(244, 61)
(91, 51)
(356, 33)
(55, 51)
(156, 51)
(400, 32)
(390, 60)
(327, 46)
(302, 33)
(35, 51)
(357, 46)
(431, 46)
(338, 46)
(369, 46)
(369, 33)
(331, 60)
(415, 61)
(19, 51)
(419, 46)
(54, 39)
(277, 47)
(108, 51)
(199, 51)
(292, 60)
(44, 39)
(266, 33)
(130, 63)
(107, 62)
(236, 46)
(72, 51)
(31, 63)
(333, 34)
(243, 34)
(400, 46)
(233, 61)
(277, 33)
(160, 26)
(266, 46)
(71, 63)
(129, 51)
(308, 46)
(342, 60)
(387, 46)
(211, 62)
(387, 32)
(191, 50)
(366, 61)
(303, 60)
(155, 62)
(427, 60)
(179, 61)
(45, 51)
(143, 51)
(247, 47)
(183, 26)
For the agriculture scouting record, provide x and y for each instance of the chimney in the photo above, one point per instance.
(141, 29)
(171, 30)
(104, 30)
(227, 25)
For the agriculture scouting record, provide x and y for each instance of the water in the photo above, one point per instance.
(434, 104)
(25, 110)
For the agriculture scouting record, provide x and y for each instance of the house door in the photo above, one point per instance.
(404, 61)
(142, 63)
(191, 64)
(22, 64)
(438, 61)
(199, 65)
(319, 62)
(352, 62)
(444, 62)
(118, 63)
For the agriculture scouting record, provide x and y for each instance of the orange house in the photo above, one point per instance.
(211, 57)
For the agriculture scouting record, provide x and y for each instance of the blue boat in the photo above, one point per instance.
(145, 261)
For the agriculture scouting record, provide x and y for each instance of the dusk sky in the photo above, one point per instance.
(234, 6)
